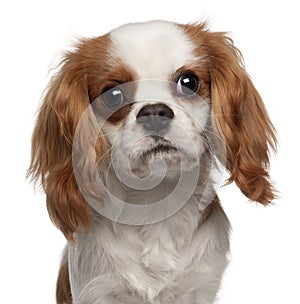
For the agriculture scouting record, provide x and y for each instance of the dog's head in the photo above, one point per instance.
(158, 90)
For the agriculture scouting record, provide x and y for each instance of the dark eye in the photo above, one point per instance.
(188, 84)
(113, 98)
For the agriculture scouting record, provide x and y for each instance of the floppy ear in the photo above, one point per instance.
(63, 105)
(242, 120)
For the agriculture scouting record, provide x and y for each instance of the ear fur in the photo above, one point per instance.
(239, 115)
(64, 103)
(241, 119)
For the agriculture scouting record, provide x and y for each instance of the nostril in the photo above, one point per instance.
(155, 117)
(163, 113)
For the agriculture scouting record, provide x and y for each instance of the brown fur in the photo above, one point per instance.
(240, 118)
(66, 100)
(117, 75)
(63, 289)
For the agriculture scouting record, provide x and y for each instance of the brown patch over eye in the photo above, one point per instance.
(192, 79)
(111, 93)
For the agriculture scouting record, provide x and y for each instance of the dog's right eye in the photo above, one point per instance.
(187, 84)
(113, 98)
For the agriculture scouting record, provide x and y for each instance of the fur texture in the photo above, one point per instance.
(181, 258)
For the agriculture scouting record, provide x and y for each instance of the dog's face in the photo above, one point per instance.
(155, 92)
(162, 110)
(160, 124)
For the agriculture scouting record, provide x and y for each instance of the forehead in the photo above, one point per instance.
(153, 50)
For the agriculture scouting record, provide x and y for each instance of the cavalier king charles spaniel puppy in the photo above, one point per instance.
(130, 144)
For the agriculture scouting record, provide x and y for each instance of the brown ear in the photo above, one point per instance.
(62, 107)
(241, 119)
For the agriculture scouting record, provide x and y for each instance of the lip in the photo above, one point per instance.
(159, 147)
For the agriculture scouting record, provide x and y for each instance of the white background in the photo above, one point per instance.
(265, 265)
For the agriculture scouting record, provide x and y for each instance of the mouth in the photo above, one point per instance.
(157, 154)
(160, 147)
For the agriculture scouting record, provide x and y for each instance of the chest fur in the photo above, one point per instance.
(150, 260)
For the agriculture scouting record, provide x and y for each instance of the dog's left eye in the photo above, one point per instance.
(187, 84)
(113, 98)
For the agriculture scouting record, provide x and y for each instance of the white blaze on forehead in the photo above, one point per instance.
(153, 91)
(154, 50)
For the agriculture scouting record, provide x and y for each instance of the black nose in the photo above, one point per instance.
(155, 117)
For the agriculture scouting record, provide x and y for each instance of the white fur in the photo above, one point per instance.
(154, 50)
(179, 260)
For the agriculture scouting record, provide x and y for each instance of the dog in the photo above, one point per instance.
(130, 144)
